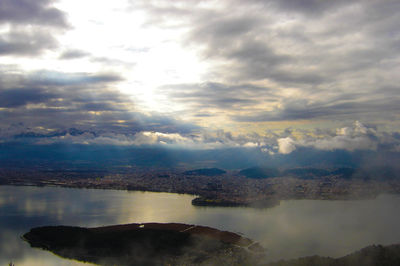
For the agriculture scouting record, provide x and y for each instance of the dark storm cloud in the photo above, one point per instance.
(218, 30)
(60, 90)
(33, 26)
(302, 111)
(26, 43)
(254, 60)
(12, 98)
(218, 96)
(238, 39)
(37, 12)
(99, 106)
(48, 104)
(234, 36)
(302, 53)
(317, 54)
(52, 78)
(73, 54)
(308, 7)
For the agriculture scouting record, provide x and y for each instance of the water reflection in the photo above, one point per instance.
(22, 208)
(308, 227)
(294, 228)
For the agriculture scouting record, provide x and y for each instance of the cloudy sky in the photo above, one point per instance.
(258, 73)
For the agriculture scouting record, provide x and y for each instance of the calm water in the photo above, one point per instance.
(292, 229)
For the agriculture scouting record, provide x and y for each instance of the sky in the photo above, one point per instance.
(267, 74)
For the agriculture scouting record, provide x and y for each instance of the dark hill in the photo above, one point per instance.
(369, 256)
(259, 172)
(299, 172)
(344, 172)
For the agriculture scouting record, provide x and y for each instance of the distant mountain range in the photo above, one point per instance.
(375, 255)
(302, 163)
(312, 173)
(304, 172)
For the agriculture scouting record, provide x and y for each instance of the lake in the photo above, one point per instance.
(292, 229)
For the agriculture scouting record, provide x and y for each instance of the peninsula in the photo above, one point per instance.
(147, 244)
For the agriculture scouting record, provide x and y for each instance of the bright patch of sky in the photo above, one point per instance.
(147, 57)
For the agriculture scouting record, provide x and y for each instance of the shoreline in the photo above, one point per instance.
(201, 201)
(226, 190)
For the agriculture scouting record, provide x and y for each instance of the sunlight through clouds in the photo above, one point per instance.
(147, 57)
(188, 67)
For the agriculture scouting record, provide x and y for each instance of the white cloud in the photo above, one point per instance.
(344, 142)
(357, 137)
(351, 138)
(286, 145)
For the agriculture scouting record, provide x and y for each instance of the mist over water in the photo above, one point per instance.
(292, 229)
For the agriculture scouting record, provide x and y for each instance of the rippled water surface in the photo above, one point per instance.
(292, 229)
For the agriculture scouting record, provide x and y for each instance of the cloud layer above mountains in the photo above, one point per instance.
(268, 74)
